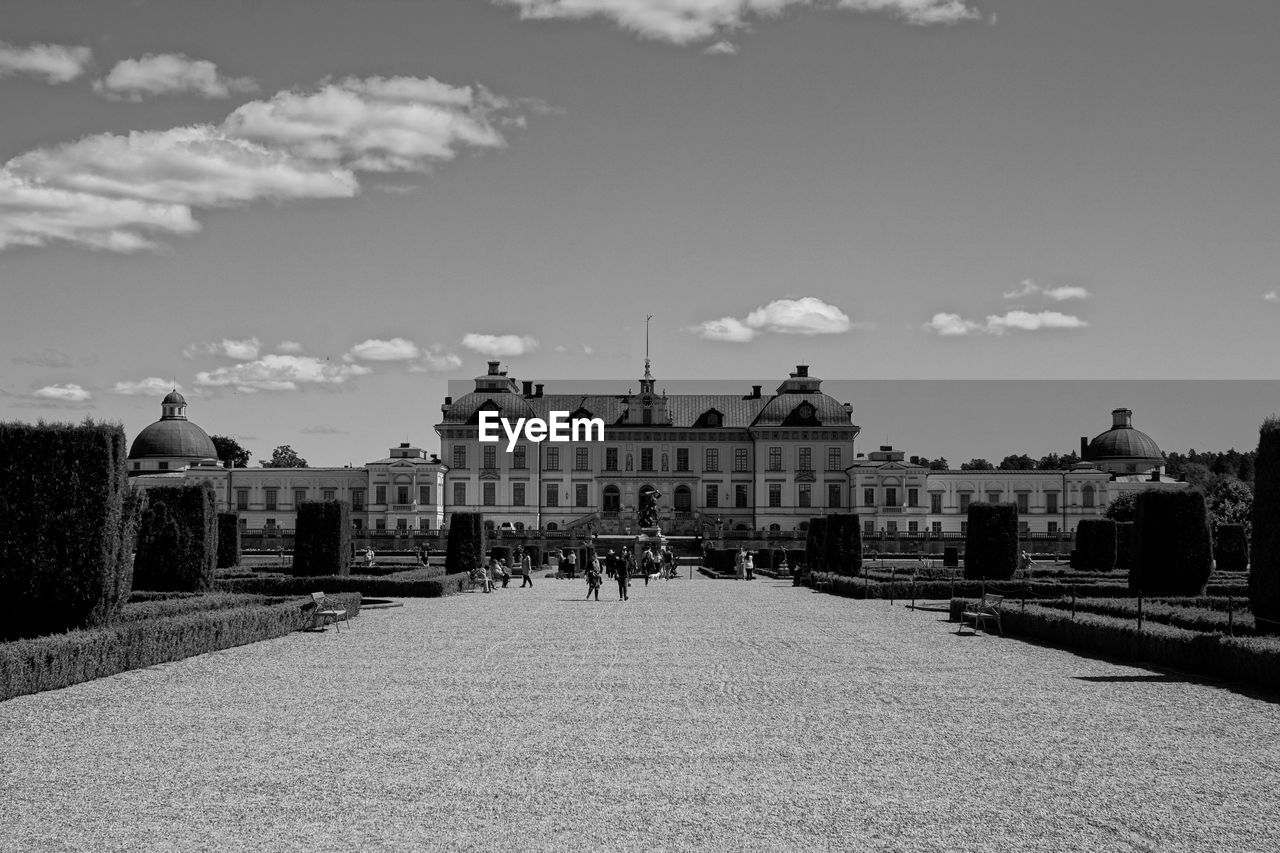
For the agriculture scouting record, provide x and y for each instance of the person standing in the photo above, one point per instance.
(526, 569)
(749, 565)
(573, 562)
(623, 578)
(740, 564)
(627, 565)
(647, 563)
(668, 564)
(593, 579)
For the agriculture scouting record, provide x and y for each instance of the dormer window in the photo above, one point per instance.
(713, 419)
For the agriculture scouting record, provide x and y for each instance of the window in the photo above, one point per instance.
(489, 492)
(164, 466)
(380, 494)
(519, 457)
(935, 502)
(833, 495)
(993, 497)
(402, 524)
(271, 498)
(646, 459)
(242, 498)
(833, 459)
(913, 527)
(459, 456)
(581, 459)
(713, 495)
(936, 528)
(553, 494)
(424, 495)
(1051, 502)
(137, 466)
(775, 494)
(806, 459)
(1024, 502)
(490, 456)
(579, 494)
(553, 459)
(913, 497)
(892, 528)
(357, 525)
(964, 528)
(775, 458)
(740, 495)
(682, 459)
(380, 524)
(740, 461)
(517, 494)
(1087, 494)
(804, 495)
(890, 496)
(424, 524)
(611, 459)
(712, 457)
(402, 494)
(459, 494)
(868, 527)
(327, 494)
(1053, 527)
(869, 496)
(357, 498)
(965, 497)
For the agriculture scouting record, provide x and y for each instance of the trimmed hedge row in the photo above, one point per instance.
(1264, 570)
(322, 539)
(1172, 545)
(228, 540)
(466, 545)
(1190, 615)
(933, 590)
(69, 522)
(177, 539)
(160, 608)
(1124, 545)
(1255, 660)
(383, 587)
(60, 660)
(991, 541)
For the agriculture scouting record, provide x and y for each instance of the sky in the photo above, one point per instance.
(312, 216)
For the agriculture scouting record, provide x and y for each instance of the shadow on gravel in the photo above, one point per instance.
(1137, 679)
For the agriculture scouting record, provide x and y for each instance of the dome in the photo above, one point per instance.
(173, 437)
(1122, 441)
(174, 398)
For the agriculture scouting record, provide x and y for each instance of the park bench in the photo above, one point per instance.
(321, 615)
(985, 610)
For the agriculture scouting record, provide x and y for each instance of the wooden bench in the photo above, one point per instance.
(986, 610)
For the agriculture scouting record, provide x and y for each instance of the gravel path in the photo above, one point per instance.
(700, 715)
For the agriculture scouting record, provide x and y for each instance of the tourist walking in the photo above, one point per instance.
(593, 579)
(623, 578)
(647, 563)
(668, 564)
(627, 565)
(526, 569)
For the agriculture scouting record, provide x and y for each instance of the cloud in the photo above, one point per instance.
(322, 429)
(950, 325)
(1028, 287)
(1271, 296)
(289, 346)
(56, 63)
(69, 393)
(721, 48)
(50, 358)
(396, 349)
(690, 21)
(436, 360)
(168, 74)
(499, 345)
(242, 350)
(280, 373)
(152, 386)
(123, 192)
(804, 316)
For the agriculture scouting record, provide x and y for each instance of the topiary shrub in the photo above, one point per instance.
(322, 539)
(1124, 545)
(228, 540)
(177, 539)
(69, 520)
(842, 544)
(1231, 548)
(991, 541)
(1095, 545)
(815, 539)
(1264, 565)
(1172, 547)
(465, 549)
(951, 557)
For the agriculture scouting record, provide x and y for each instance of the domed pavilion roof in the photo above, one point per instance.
(173, 435)
(1122, 441)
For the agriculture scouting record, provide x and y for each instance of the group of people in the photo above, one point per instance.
(622, 567)
(496, 569)
(745, 564)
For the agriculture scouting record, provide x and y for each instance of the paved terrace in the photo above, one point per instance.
(700, 715)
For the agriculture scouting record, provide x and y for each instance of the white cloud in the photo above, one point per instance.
(69, 393)
(949, 325)
(721, 48)
(152, 386)
(499, 345)
(436, 360)
(998, 324)
(241, 350)
(1271, 296)
(56, 63)
(289, 347)
(689, 21)
(1028, 287)
(280, 373)
(122, 192)
(804, 316)
(396, 349)
(169, 73)
(322, 429)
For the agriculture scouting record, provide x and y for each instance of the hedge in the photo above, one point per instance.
(1231, 548)
(466, 545)
(228, 540)
(322, 539)
(380, 587)
(842, 544)
(1084, 543)
(1124, 545)
(951, 556)
(991, 541)
(69, 522)
(1096, 545)
(177, 539)
(1172, 547)
(177, 604)
(815, 539)
(1264, 567)
(927, 589)
(1255, 660)
(1187, 613)
(60, 660)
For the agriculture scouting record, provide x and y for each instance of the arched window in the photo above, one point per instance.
(683, 499)
(611, 500)
(1086, 496)
(775, 528)
(552, 526)
(741, 527)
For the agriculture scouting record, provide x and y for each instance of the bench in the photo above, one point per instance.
(321, 615)
(986, 610)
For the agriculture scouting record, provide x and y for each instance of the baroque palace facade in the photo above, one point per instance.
(723, 462)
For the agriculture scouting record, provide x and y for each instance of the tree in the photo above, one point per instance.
(229, 450)
(1018, 462)
(1054, 462)
(939, 464)
(1121, 508)
(1230, 502)
(285, 456)
(977, 465)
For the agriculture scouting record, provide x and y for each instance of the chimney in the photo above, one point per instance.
(528, 387)
(886, 447)
(493, 368)
(537, 390)
(404, 444)
(1121, 419)
(448, 401)
(1084, 447)
(802, 370)
(1155, 475)
(755, 391)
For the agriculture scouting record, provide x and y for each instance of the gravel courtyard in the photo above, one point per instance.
(699, 715)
